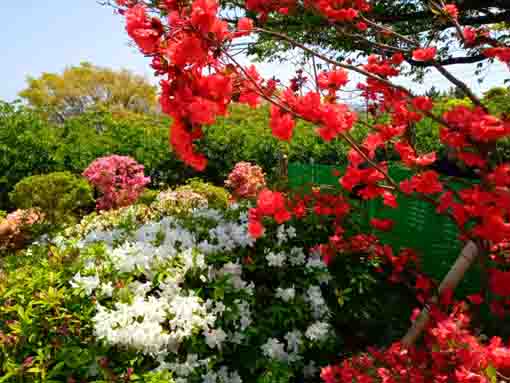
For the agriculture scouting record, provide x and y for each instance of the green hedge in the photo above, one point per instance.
(61, 196)
(245, 135)
(29, 145)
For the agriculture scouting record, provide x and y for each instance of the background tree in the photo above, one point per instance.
(80, 88)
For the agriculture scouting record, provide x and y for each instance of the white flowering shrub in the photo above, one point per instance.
(193, 296)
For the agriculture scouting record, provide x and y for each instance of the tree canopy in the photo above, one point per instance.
(417, 21)
(86, 86)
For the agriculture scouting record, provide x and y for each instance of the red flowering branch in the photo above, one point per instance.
(345, 136)
(331, 61)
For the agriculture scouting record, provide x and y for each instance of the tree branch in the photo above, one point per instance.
(449, 61)
(423, 15)
(460, 84)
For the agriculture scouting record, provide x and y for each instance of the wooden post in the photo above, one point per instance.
(468, 255)
(284, 167)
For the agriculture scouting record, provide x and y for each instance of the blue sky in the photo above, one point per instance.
(46, 36)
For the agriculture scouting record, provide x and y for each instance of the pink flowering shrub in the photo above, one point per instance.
(246, 180)
(15, 228)
(120, 179)
(451, 354)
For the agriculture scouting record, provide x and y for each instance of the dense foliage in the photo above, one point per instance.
(62, 197)
(30, 145)
(181, 289)
(242, 136)
(193, 49)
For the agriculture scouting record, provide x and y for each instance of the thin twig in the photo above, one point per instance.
(389, 30)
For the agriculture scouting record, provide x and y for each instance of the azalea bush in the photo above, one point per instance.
(246, 180)
(120, 180)
(452, 354)
(46, 333)
(19, 227)
(208, 310)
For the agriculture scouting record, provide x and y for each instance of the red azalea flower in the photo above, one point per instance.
(470, 35)
(451, 9)
(424, 54)
(397, 58)
(145, 32)
(333, 80)
(281, 124)
(423, 103)
(361, 26)
(390, 200)
(244, 26)
(255, 229)
(499, 282)
(382, 224)
(475, 299)
(501, 53)
(270, 202)
(182, 142)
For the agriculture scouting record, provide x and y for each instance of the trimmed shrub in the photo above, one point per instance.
(216, 196)
(61, 196)
(148, 196)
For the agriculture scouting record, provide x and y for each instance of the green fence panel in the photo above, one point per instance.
(416, 223)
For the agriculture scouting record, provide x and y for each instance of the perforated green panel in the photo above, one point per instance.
(416, 224)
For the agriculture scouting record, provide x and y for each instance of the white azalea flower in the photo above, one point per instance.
(88, 284)
(215, 338)
(274, 349)
(276, 260)
(318, 331)
(286, 295)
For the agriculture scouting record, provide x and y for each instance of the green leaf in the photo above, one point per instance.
(491, 373)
